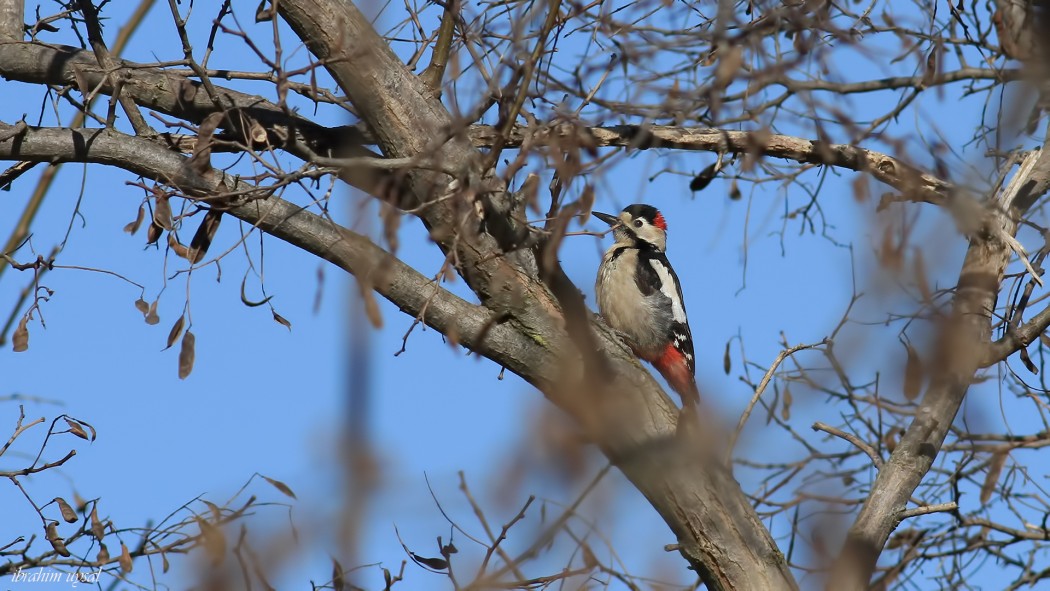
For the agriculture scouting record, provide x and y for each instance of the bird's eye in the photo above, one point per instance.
(638, 223)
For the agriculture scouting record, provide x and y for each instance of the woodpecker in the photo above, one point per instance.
(640, 297)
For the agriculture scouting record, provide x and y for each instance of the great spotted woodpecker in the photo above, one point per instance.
(640, 297)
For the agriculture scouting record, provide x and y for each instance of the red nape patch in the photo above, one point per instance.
(660, 222)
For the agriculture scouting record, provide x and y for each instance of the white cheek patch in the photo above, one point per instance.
(667, 287)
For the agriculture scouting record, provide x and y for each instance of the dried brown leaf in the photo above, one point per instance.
(20, 338)
(162, 211)
(281, 320)
(176, 330)
(734, 191)
(142, 306)
(702, 180)
(77, 429)
(729, 63)
(68, 514)
(929, 76)
(280, 486)
(785, 405)
(153, 233)
(51, 534)
(133, 227)
(391, 223)
(187, 354)
(257, 132)
(995, 469)
(152, 317)
(372, 308)
(861, 190)
(178, 247)
(200, 161)
(920, 277)
(103, 554)
(216, 512)
(727, 360)
(125, 559)
(202, 238)
(586, 203)
(97, 529)
(589, 560)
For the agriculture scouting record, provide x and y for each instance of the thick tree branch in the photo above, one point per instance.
(174, 94)
(960, 354)
(178, 96)
(717, 528)
(12, 21)
(411, 291)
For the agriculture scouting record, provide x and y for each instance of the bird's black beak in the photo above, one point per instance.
(608, 219)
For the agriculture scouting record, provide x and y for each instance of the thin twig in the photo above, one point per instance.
(758, 393)
(856, 441)
(927, 509)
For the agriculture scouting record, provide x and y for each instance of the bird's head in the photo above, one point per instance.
(637, 224)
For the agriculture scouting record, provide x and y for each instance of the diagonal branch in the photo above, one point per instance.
(960, 354)
(718, 530)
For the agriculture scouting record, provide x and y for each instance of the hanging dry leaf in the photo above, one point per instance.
(200, 161)
(96, 524)
(133, 227)
(280, 486)
(391, 223)
(785, 405)
(734, 192)
(162, 211)
(995, 469)
(152, 317)
(153, 233)
(187, 354)
(702, 180)
(281, 320)
(729, 63)
(920, 278)
(929, 76)
(20, 338)
(176, 330)
(51, 533)
(103, 554)
(180, 250)
(142, 306)
(79, 502)
(125, 559)
(76, 429)
(204, 235)
(371, 308)
(68, 514)
(727, 361)
(861, 190)
(913, 374)
(589, 559)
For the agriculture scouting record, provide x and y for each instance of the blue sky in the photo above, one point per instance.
(265, 399)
